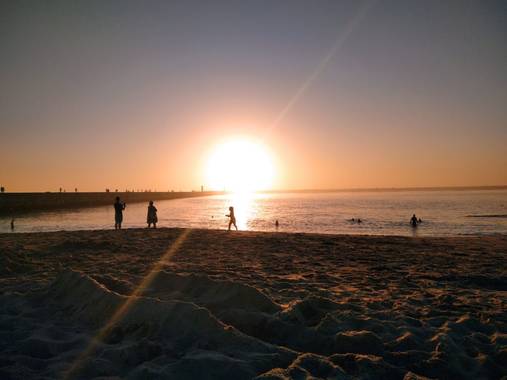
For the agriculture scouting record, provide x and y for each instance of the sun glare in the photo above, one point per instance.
(240, 165)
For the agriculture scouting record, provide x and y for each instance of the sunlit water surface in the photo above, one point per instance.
(443, 213)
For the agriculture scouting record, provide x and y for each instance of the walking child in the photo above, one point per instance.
(232, 219)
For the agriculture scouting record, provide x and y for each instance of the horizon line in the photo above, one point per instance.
(309, 190)
(366, 189)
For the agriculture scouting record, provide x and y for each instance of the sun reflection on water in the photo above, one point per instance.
(245, 207)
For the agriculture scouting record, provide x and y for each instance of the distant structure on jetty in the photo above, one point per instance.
(23, 203)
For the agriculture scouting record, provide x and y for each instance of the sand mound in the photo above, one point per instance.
(300, 327)
(307, 366)
(364, 342)
(213, 294)
(310, 311)
(198, 337)
(366, 366)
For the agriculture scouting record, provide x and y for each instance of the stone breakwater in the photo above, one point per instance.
(20, 203)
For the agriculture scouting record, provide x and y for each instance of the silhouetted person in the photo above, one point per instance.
(232, 219)
(12, 224)
(277, 224)
(152, 216)
(359, 221)
(118, 213)
(413, 221)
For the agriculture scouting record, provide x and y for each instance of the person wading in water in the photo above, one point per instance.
(413, 221)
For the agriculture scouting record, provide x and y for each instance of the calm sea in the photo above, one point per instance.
(443, 213)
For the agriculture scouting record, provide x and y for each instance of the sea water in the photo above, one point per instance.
(443, 213)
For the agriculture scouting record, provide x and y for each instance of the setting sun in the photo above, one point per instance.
(240, 165)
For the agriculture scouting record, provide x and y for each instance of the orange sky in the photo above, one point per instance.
(405, 94)
(303, 159)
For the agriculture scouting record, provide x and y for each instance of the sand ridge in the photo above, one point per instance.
(247, 304)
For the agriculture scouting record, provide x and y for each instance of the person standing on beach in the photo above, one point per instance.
(152, 215)
(118, 213)
(232, 219)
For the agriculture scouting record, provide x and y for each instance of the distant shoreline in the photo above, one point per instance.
(13, 204)
(387, 189)
(331, 190)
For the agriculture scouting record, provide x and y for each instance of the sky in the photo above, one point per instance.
(343, 94)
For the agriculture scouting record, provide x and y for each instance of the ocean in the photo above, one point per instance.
(443, 213)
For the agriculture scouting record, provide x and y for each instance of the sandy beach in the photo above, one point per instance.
(188, 304)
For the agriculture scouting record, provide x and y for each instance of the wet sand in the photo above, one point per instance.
(187, 304)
